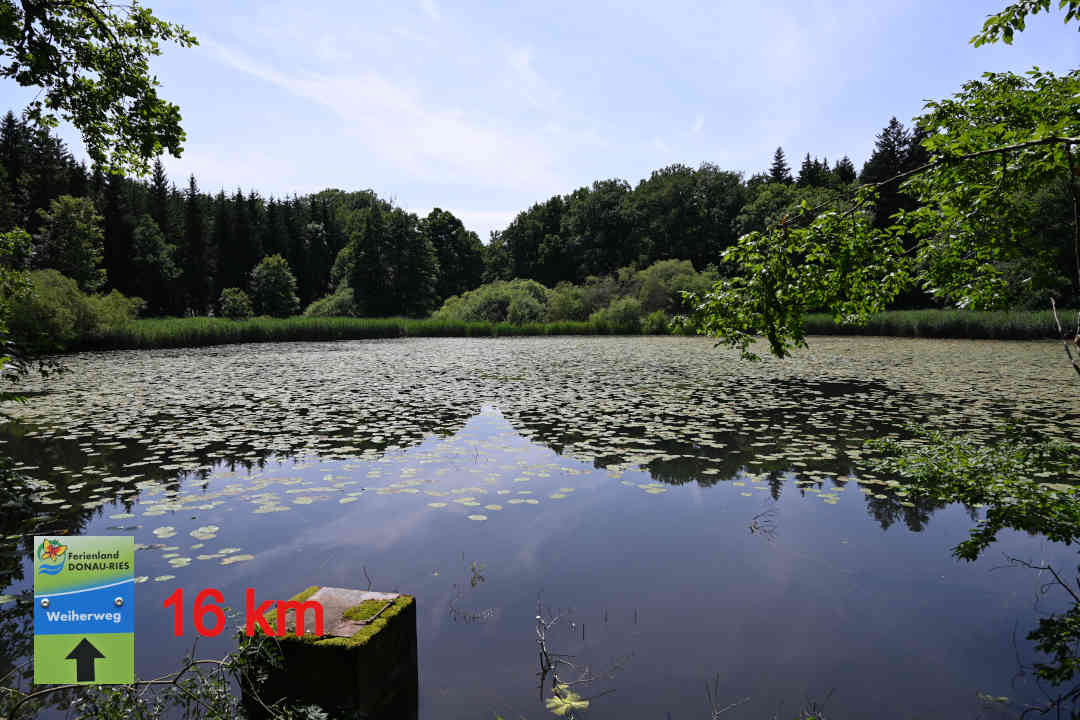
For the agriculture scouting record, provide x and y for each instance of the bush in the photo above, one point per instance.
(655, 323)
(340, 304)
(273, 287)
(622, 317)
(491, 302)
(566, 302)
(524, 309)
(235, 304)
(659, 286)
(55, 313)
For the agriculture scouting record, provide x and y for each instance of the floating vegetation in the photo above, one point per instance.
(640, 415)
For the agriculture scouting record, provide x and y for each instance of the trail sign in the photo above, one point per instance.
(84, 609)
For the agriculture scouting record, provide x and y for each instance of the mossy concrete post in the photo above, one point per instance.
(365, 663)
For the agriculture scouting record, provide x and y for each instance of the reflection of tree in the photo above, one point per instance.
(889, 510)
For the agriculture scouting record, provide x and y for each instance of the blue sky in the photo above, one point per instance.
(486, 109)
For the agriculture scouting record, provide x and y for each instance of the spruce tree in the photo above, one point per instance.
(159, 197)
(780, 172)
(196, 265)
(119, 231)
(223, 248)
(844, 170)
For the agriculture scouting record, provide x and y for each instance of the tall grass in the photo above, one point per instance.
(202, 331)
(1003, 325)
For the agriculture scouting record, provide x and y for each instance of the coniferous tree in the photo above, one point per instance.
(844, 171)
(780, 172)
(118, 234)
(159, 197)
(273, 230)
(197, 271)
(223, 248)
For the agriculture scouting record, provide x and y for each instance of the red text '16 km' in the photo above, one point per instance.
(253, 616)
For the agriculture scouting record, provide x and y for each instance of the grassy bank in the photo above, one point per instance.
(197, 332)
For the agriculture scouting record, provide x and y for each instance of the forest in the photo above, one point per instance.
(109, 238)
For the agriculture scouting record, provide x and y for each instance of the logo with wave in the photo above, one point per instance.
(51, 553)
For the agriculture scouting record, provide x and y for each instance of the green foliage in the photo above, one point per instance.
(394, 268)
(1000, 476)
(154, 266)
(1002, 25)
(997, 325)
(273, 288)
(71, 241)
(566, 302)
(56, 314)
(656, 323)
(622, 317)
(235, 304)
(952, 245)
(524, 309)
(15, 250)
(150, 333)
(459, 253)
(91, 60)
(491, 302)
(660, 286)
(340, 304)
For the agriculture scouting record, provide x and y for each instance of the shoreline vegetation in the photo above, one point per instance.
(153, 333)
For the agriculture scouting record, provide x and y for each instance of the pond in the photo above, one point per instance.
(694, 520)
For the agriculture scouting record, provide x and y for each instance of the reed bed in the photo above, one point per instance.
(203, 331)
(964, 324)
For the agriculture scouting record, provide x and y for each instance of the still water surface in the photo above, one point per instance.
(694, 519)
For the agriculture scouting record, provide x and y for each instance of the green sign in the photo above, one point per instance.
(84, 609)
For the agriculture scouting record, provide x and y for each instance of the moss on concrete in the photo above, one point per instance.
(369, 631)
(364, 611)
(359, 613)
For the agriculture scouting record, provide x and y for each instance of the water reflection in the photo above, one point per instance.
(661, 509)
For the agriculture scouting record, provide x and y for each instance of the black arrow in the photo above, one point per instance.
(84, 655)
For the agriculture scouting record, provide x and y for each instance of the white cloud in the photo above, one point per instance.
(431, 9)
(699, 123)
(524, 79)
(396, 126)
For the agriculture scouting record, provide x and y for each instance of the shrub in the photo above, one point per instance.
(524, 309)
(55, 313)
(598, 292)
(491, 302)
(622, 316)
(658, 286)
(273, 287)
(655, 323)
(340, 304)
(235, 304)
(566, 302)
